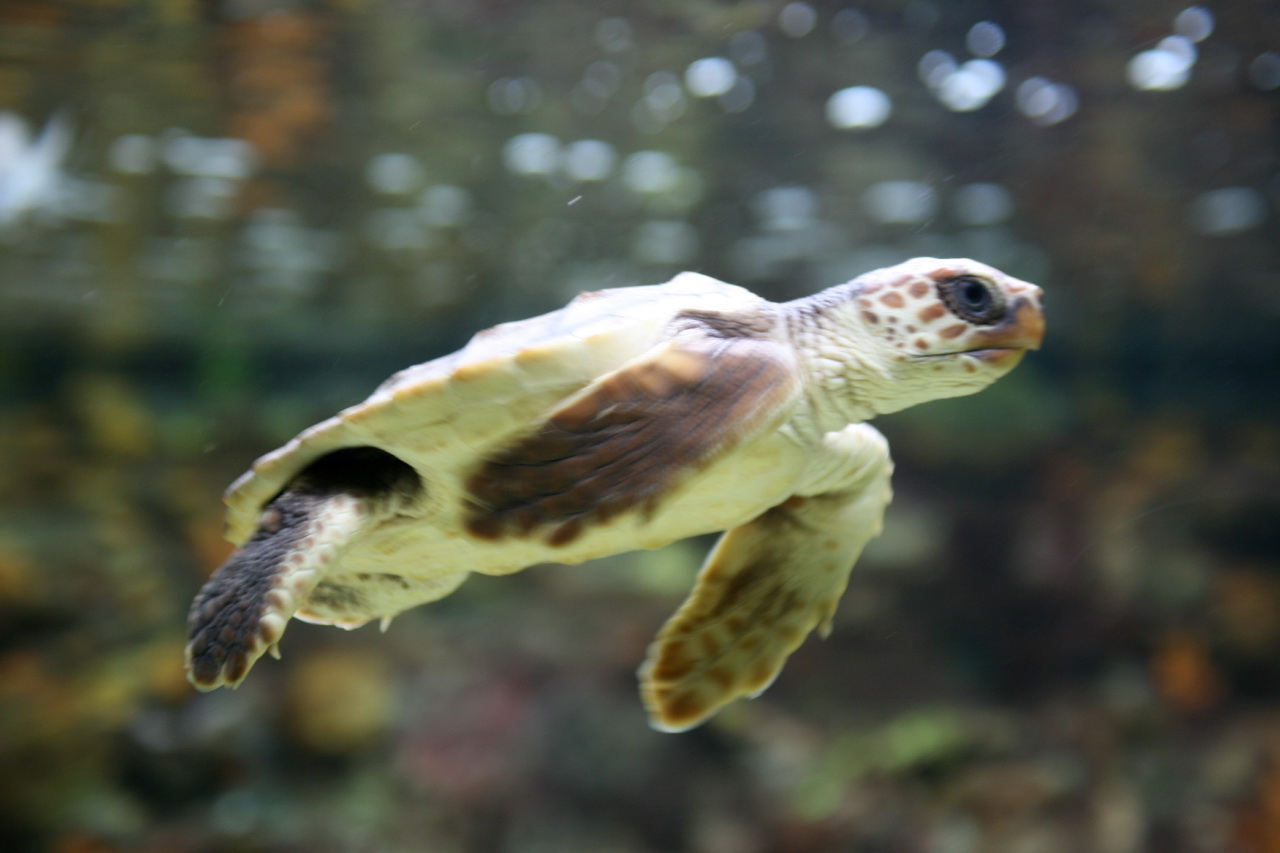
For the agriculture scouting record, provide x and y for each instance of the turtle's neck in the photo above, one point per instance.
(845, 378)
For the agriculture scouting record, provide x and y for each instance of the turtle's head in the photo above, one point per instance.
(931, 328)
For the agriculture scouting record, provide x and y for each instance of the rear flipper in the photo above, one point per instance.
(242, 611)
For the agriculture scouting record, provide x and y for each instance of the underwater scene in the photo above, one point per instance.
(224, 221)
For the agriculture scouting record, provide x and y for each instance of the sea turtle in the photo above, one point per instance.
(628, 419)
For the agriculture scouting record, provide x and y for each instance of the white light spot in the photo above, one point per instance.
(971, 85)
(133, 154)
(849, 26)
(748, 48)
(1229, 210)
(710, 77)
(1046, 103)
(934, 67)
(786, 208)
(858, 107)
(900, 201)
(1264, 71)
(797, 19)
(445, 205)
(985, 39)
(532, 154)
(651, 172)
(983, 204)
(589, 160)
(665, 242)
(1194, 22)
(1159, 69)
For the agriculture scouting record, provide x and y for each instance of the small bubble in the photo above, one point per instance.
(1194, 22)
(858, 107)
(984, 39)
(797, 19)
(710, 77)
(1160, 70)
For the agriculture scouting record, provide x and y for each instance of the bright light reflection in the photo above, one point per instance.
(1160, 69)
(531, 154)
(710, 77)
(589, 160)
(858, 107)
(651, 172)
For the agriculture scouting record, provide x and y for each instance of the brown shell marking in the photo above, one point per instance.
(626, 440)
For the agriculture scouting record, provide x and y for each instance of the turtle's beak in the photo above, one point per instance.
(1023, 329)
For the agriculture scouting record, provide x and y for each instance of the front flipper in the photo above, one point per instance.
(242, 611)
(626, 440)
(765, 586)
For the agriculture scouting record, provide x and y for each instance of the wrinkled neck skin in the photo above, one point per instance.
(846, 374)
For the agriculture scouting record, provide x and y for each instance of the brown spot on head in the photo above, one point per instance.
(871, 317)
(918, 288)
(893, 299)
(929, 313)
(921, 344)
(953, 331)
(871, 287)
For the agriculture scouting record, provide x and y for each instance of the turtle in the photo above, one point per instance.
(630, 418)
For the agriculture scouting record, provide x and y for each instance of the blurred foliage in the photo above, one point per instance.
(222, 221)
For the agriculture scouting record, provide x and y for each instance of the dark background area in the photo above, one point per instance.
(221, 222)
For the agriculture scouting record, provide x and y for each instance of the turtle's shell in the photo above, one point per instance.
(445, 416)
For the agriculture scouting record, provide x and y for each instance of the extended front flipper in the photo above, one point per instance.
(766, 585)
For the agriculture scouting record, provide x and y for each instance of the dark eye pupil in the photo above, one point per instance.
(975, 296)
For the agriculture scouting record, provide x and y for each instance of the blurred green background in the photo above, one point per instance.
(220, 222)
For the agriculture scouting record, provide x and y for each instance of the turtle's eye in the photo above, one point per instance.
(974, 299)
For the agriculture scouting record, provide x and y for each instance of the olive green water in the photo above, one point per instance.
(221, 222)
